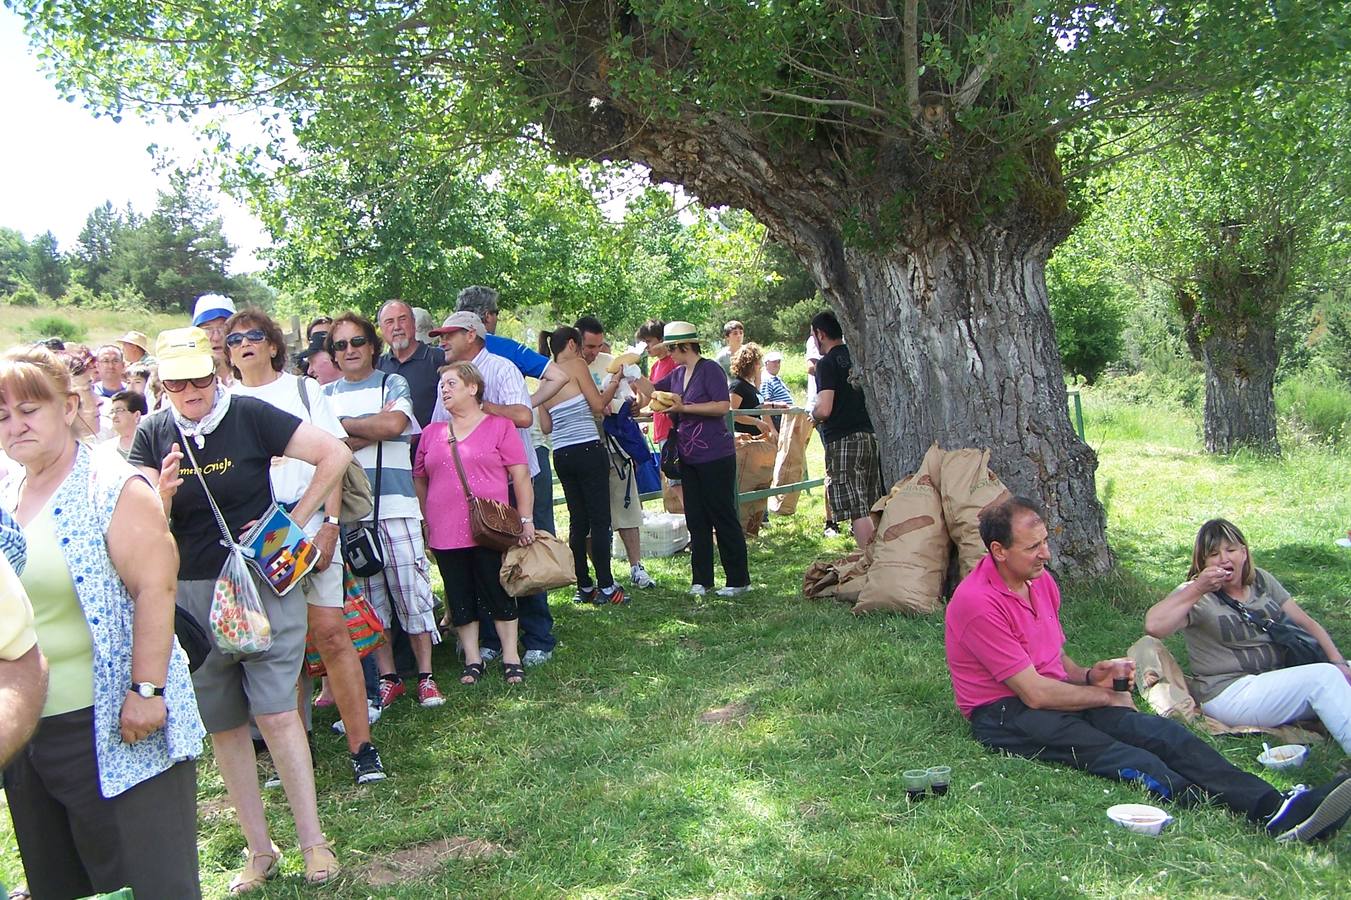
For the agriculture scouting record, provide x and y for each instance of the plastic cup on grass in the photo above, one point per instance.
(939, 777)
(916, 782)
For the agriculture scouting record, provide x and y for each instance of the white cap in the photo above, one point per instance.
(212, 306)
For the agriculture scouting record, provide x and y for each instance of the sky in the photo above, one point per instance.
(59, 162)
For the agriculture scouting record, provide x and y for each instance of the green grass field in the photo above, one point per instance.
(598, 779)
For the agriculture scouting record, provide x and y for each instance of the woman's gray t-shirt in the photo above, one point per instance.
(1223, 647)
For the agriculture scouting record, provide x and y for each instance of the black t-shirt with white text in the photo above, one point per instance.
(236, 462)
(849, 413)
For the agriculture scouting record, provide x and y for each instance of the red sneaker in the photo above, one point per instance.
(390, 691)
(428, 694)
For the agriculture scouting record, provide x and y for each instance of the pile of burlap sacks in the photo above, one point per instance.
(919, 523)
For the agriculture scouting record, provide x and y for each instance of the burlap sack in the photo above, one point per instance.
(1162, 683)
(791, 462)
(1160, 680)
(840, 579)
(968, 486)
(909, 554)
(543, 565)
(755, 472)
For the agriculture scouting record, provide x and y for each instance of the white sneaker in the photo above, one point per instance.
(373, 712)
(488, 654)
(698, 590)
(638, 575)
(730, 591)
(536, 657)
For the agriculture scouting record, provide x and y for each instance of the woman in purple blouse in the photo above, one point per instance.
(707, 462)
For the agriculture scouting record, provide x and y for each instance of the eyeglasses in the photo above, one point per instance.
(359, 341)
(253, 336)
(178, 385)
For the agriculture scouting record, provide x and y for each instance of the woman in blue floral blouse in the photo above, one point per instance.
(105, 794)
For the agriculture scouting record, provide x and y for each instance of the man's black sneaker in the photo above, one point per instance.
(1312, 814)
(585, 595)
(366, 765)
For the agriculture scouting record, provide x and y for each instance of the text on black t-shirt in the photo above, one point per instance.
(236, 460)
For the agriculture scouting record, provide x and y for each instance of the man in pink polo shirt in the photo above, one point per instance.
(1025, 695)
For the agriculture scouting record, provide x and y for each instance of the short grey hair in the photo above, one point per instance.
(380, 313)
(477, 299)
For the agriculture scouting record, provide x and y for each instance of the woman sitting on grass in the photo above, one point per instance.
(1237, 672)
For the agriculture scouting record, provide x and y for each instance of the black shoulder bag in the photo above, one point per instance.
(361, 550)
(1298, 646)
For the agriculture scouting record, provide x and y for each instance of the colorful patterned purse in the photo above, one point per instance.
(363, 625)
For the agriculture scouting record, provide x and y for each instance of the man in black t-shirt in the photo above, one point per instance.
(853, 464)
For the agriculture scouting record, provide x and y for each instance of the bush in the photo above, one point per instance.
(792, 323)
(54, 327)
(24, 296)
(1088, 318)
(79, 295)
(1316, 402)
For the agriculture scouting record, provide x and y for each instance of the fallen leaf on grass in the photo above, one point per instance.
(732, 712)
(421, 860)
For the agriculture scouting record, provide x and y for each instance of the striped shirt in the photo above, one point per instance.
(773, 390)
(356, 400)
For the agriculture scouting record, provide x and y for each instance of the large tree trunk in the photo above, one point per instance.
(953, 342)
(1240, 357)
(1230, 306)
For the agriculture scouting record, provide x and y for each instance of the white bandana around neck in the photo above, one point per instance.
(199, 430)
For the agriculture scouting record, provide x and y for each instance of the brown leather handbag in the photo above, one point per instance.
(492, 524)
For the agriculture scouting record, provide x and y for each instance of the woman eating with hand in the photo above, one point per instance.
(105, 795)
(208, 439)
(492, 455)
(1238, 673)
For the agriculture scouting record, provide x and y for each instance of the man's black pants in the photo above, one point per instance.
(1122, 744)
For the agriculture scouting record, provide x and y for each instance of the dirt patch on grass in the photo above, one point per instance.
(420, 860)
(736, 711)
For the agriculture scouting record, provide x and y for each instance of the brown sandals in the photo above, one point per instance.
(321, 863)
(258, 871)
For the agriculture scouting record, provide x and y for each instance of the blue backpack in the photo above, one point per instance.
(627, 442)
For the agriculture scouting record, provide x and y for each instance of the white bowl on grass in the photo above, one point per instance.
(1139, 817)
(1286, 756)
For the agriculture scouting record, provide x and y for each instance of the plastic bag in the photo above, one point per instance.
(238, 621)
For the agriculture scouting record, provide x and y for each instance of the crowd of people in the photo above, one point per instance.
(130, 476)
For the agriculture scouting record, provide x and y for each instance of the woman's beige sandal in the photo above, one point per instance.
(321, 863)
(260, 869)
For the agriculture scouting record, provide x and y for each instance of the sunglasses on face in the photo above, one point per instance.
(253, 336)
(178, 385)
(359, 341)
